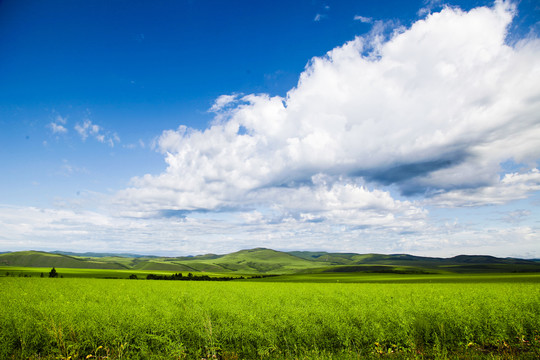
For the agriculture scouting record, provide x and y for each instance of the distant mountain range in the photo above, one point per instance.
(267, 261)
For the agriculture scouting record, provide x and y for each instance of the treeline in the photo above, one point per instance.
(52, 274)
(178, 276)
(192, 277)
(189, 277)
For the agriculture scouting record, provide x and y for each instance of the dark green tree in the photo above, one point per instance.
(53, 273)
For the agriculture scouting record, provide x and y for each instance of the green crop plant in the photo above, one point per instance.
(45, 318)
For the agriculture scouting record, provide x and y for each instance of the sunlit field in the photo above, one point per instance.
(69, 318)
(15, 271)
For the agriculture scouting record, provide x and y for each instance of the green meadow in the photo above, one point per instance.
(381, 278)
(19, 271)
(318, 316)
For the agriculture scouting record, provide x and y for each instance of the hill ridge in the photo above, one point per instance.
(268, 261)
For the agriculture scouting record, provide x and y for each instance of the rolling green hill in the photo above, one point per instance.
(262, 260)
(43, 259)
(267, 261)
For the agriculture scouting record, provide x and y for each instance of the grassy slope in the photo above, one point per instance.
(161, 265)
(458, 264)
(42, 259)
(263, 261)
(253, 261)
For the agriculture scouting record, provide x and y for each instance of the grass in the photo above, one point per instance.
(43, 259)
(13, 271)
(389, 278)
(486, 316)
(320, 276)
(254, 261)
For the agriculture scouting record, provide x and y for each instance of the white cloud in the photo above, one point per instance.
(57, 128)
(61, 120)
(516, 216)
(341, 202)
(435, 109)
(83, 230)
(363, 19)
(429, 6)
(512, 186)
(490, 240)
(67, 169)
(87, 128)
(223, 101)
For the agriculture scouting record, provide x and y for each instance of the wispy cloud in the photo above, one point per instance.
(88, 129)
(67, 169)
(57, 126)
(322, 14)
(363, 19)
(223, 102)
(429, 7)
(516, 216)
(512, 186)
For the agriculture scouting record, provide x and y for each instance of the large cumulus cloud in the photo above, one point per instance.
(433, 110)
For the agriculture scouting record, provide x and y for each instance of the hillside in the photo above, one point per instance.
(460, 263)
(267, 261)
(263, 261)
(43, 259)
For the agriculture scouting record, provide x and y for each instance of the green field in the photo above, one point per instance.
(19, 271)
(379, 278)
(383, 316)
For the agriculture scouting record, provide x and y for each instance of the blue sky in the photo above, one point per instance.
(187, 127)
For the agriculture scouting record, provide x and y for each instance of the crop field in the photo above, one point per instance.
(83, 318)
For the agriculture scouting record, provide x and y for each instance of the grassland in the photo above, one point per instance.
(43, 259)
(16, 271)
(136, 319)
(389, 278)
